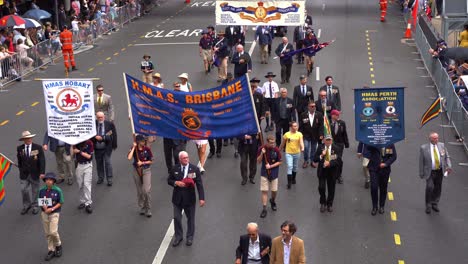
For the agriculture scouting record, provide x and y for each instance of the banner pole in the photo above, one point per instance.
(8, 159)
(128, 104)
(253, 103)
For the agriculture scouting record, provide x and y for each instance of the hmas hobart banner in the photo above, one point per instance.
(255, 13)
(222, 112)
(379, 115)
(70, 109)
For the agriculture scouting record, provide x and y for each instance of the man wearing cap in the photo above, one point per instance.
(147, 68)
(103, 103)
(221, 51)
(184, 177)
(103, 147)
(333, 92)
(31, 165)
(62, 153)
(270, 90)
(283, 114)
(264, 37)
(205, 44)
(302, 95)
(340, 138)
(311, 127)
(50, 199)
(327, 157)
(157, 81)
(285, 60)
(242, 62)
(84, 173)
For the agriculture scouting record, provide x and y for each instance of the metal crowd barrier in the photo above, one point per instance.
(456, 114)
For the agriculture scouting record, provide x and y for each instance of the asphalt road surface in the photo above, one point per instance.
(115, 233)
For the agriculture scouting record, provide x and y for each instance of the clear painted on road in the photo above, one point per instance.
(203, 4)
(174, 33)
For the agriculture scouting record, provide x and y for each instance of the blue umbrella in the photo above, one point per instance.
(31, 23)
(37, 14)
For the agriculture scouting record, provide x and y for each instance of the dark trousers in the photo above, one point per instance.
(434, 187)
(327, 180)
(300, 55)
(282, 126)
(103, 163)
(248, 154)
(439, 7)
(189, 211)
(379, 183)
(286, 72)
(171, 151)
(340, 164)
(219, 145)
(29, 184)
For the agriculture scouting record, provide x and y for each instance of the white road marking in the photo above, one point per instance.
(164, 244)
(319, 32)
(421, 68)
(317, 73)
(323, 7)
(252, 47)
(172, 43)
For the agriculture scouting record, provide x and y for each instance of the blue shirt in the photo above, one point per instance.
(143, 155)
(55, 194)
(273, 155)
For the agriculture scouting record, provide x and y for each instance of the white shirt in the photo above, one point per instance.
(254, 249)
(432, 157)
(184, 87)
(287, 250)
(75, 26)
(311, 118)
(266, 89)
(185, 171)
(27, 148)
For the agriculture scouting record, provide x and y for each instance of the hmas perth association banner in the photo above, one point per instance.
(70, 109)
(255, 13)
(222, 112)
(379, 115)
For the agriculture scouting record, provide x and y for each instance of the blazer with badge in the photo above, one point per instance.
(106, 106)
(242, 251)
(259, 102)
(376, 156)
(335, 159)
(341, 135)
(53, 143)
(33, 165)
(329, 105)
(241, 68)
(301, 101)
(335, 97)
(311, 132)
(296, 255)
(425, 159)
(185, 196)
(109, 138)
(233, 37)
(289, 109)
(264, 35)
(282, 50)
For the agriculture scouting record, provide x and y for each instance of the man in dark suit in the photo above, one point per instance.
(285, 61)
(172, 147)
(311, 127)
(233, 36)
(247, 252)
(283, 114)
(103, 146)
(328, 157)
(380, 160)
(302, 95)
(242, 62)
(340, 137)
(322, 103)
(63, 158)
(299, 36)
(333, 92)
(248, 147)
(31, 165)
(184, 177)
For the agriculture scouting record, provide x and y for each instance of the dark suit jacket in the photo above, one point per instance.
(235, 37)
(330, 106)
(223, 51)
(260, 104)
(241, 68)
(242, 250)
(336, 97)
(279, 50)
(335, 160)
(245, 147)
(301, 102)
(53, 143)
(313, 132)
(33, 165)
(185, 196)
(290, 111)
(375, 157)
(110, 137)
(341, 136)
(264, 38)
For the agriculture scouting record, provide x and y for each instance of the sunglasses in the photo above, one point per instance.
(100, 90)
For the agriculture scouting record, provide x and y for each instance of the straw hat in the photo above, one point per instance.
(157, 75)
(26, 134)
(183, 75)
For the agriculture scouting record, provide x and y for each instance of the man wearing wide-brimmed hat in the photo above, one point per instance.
(147, 68)
(31, 165)
(270, 91)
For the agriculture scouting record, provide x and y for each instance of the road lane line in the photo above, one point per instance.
(4, 122)
(90, 69)
(373, 81)
(99, 63)
(390, 196)
(164, 244)
(371, 69)
(35, 103)
(115, 54)
(123, 49)
(108, 58)
(372, 75)
(401, 261)
(317, 73)
(319, 32)
(393, 215)
(389, 179)
(397, 239)
(252, 47)
(20, 113)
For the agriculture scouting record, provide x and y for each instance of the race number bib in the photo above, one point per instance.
(44, 201)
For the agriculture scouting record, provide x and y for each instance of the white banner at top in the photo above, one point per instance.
(255, 13)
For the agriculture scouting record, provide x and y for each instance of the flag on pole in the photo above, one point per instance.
(312, 49)
(5, 166)
(432, 112)
(326, 124)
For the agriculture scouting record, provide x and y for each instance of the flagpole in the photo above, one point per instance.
(8, 159)
(128, 104)
(253, 103)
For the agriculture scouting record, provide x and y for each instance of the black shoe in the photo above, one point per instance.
(252, 181)
(176, 242)
(35, 210)
(330, 209)
(287, 80)
(428, 210)
(81, 206)
(283, 81)
(50, 255)
(340, 180)
(189, 242)
(289, 185)
(109, 183)
(99, 181)
(263, 214)
(435, 208)
(218, 155)
(381, 210)
(322, 208)
(58, 251)
(25, 210)
(142, 211)
(293, 181)
(244, 182)
(374, 211)
(60, 181)
(210, 155)
(236, 154)
(89, 209)
(366, 185)
(74, 68)
(273, 205)
(148, 213)
(225, 143)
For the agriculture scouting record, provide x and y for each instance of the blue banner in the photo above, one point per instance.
(223, 112)
(379, 115)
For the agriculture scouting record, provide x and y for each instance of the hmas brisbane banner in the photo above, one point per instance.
(379, 115)
(70, 109)
(277, 13)
(222, 112)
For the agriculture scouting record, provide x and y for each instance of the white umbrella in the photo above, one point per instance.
(31, 23)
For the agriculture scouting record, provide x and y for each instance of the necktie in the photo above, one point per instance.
(303, 90)
(335, 128)
(327, 155)
(183, 171)
(329, 93)
(271, 92)
(436, 158)
(100, 100)
(27, 151)
(100, 132)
